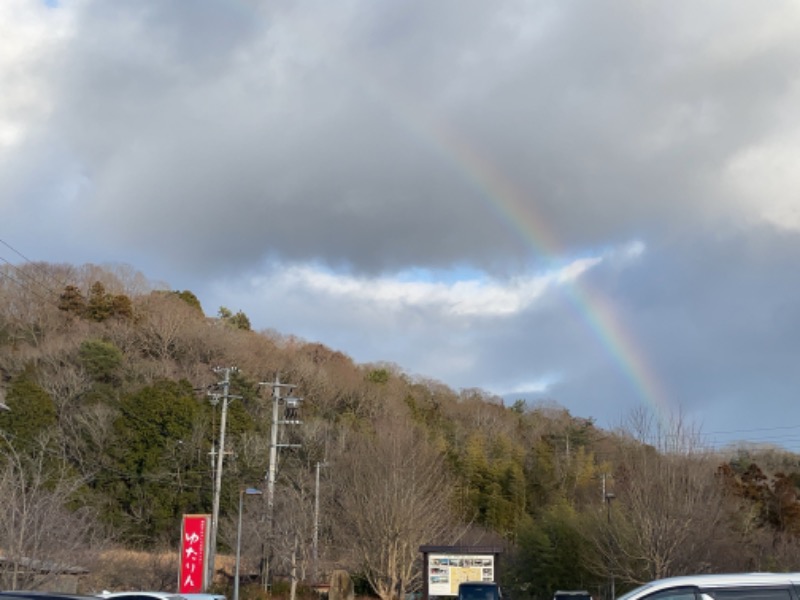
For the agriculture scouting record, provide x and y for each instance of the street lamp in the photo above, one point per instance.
(242, 493)
(609, 496)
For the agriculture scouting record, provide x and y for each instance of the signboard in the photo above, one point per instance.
(193, 554)
(446, 571)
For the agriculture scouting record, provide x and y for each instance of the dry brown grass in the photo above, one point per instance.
(123, 570)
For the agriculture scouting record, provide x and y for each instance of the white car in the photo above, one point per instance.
(734, 586)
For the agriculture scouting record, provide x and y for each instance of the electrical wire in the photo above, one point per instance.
(39, 288)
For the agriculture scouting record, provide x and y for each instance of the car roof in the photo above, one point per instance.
(714, 580)
(151, 594)
(43, 594)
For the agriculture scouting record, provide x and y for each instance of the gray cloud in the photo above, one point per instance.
(243, 139)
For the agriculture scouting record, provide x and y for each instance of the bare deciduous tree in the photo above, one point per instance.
(392, 496)
(667, 505)
(38, 527)
(163, 320)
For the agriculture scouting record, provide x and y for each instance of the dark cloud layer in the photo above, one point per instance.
(594, 111)
(243, 138)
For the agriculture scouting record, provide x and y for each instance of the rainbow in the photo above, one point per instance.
(510, 204)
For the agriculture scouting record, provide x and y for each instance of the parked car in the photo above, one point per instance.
(734, 586)
(479, 590)
(198, 596)
(42, 595)
(141, 595)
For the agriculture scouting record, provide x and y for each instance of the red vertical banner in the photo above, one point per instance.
(193, 554)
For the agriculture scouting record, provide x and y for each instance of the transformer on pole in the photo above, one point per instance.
(290, 416)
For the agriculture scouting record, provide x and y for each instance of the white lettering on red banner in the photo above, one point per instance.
(193, 554)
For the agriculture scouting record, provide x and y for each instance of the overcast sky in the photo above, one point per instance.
(595, 203)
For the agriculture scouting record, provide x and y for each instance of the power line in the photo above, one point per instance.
(756, 429)
(40, 282)
(29, 278)
(14, 250)
(27, 287)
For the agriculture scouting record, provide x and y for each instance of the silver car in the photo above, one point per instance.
(734, 586)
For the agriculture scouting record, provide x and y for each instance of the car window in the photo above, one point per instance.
(478, 592)
(751, 593)
(679, 593)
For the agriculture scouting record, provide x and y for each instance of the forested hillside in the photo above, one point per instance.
(113, 386)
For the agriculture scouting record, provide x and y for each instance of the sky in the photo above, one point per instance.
(593, 204)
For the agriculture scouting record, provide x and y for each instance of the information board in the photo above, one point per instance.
(447, 571)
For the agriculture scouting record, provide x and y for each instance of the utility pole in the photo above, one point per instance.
(315, 555)
(604, 487)
(290, 417)
(212, 548)
(609, 496)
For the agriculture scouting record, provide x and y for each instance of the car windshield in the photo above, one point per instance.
(478, 592)
(635, 591)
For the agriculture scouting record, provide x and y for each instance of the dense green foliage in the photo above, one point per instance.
(32, 410)
(156, 481)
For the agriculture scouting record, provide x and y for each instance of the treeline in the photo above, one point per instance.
(114, 422)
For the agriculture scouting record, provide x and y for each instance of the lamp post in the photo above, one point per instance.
(609, 496)
(242, 493)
